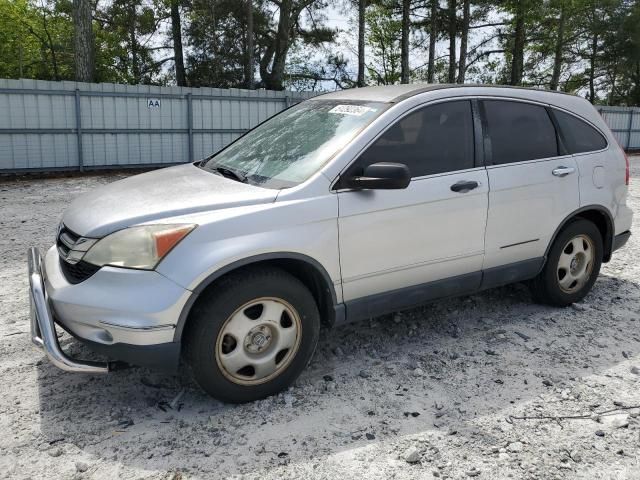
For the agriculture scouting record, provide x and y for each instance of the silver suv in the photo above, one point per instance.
(346, 206)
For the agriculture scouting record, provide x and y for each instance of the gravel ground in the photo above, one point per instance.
(434, 392)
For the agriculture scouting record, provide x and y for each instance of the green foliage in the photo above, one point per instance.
(384, 31)
(36, 40)
(625, 88)
(124, 35)
(217, 51)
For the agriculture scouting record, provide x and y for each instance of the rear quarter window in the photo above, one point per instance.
(578, 136)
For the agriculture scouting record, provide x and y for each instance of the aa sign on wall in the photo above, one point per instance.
(153, 103)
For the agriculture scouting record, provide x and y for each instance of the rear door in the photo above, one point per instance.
(533, 186)
(432, 230)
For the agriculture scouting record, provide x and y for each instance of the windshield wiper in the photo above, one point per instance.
(232, 174)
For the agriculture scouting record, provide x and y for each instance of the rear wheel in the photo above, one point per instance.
(572, 265)
(253, 335)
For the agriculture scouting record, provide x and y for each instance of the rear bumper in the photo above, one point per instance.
(115, 317)
(620, 240)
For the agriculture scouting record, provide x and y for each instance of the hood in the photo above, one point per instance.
(159, 194)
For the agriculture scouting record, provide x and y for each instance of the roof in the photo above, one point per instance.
(397, 93)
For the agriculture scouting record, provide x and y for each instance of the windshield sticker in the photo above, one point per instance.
(355, 110)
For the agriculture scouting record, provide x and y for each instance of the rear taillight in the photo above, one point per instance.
(626, 172)
(626, 164)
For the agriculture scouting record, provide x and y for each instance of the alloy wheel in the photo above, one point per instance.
(575, 263)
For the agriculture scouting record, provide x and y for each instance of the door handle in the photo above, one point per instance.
(563, 171)
(464, 186)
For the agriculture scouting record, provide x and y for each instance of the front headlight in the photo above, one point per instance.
(137, 247)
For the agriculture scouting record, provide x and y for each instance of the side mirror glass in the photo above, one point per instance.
(382, 176)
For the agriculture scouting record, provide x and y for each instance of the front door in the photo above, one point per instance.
(430, 231)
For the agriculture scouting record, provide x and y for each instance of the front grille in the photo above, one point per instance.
(79, 272)
(73, 272)
(66, 240)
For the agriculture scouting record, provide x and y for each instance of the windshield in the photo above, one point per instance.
(290, 147)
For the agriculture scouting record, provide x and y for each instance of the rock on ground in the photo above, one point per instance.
(412, 455)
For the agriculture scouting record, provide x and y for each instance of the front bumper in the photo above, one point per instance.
(43, 330)
(126, 315)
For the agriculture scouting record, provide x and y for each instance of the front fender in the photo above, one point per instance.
(304, 229)
(273, 256)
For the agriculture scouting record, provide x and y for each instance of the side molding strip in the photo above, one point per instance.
(519, 243)
(403, 298)
(387, 302)
(511, 273)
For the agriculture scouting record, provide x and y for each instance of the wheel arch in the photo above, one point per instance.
(306, 269)
(602, 219)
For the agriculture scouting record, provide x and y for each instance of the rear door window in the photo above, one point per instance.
(519, 131)
(578, 136)
(434, 139)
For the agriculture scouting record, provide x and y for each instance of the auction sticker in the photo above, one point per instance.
(356, 110)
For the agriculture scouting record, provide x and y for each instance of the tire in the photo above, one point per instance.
(262, 317)
(569, 273)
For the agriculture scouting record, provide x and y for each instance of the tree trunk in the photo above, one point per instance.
(176, 32)
(635, 95)
(614, 78)
(264, 63)
(433, 37)
(249, 63)
(517, 62)
(453, 31)
(592, 68)
(275, 78)
(51, 47)
(404, 54)
(362, 4)
(20, 60)
(133, 44)
(83, 40)
(464, 37)
(557, 60)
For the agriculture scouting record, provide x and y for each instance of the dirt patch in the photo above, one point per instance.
(433, 392)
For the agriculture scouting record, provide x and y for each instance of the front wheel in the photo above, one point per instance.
(253, 335)
(572, 265)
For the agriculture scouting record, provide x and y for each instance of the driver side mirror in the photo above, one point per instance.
(382, 176)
